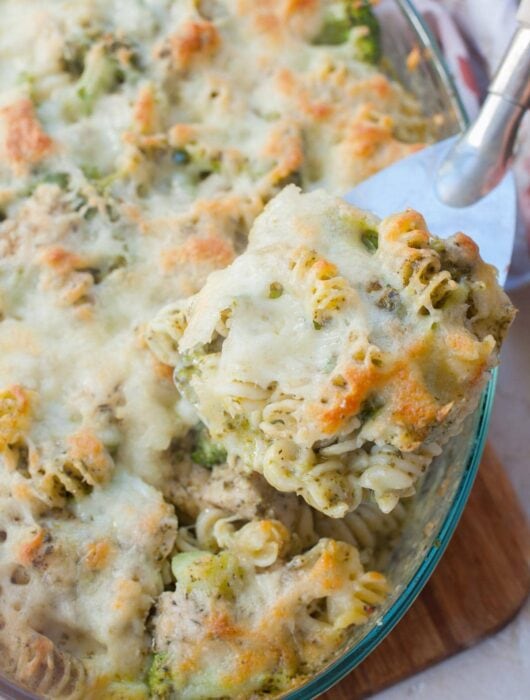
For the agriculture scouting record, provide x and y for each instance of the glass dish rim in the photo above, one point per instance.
(342, 666)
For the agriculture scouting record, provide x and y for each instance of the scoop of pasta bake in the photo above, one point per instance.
(339, 352)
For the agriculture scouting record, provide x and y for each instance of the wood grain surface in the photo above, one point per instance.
(481, 582)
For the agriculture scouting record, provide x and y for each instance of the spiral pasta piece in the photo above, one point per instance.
(392, 475)
(367, 528)
(280, 418)
(261, 542)
(328, 292)
(46, 670)
(166, 330)
(271, 615)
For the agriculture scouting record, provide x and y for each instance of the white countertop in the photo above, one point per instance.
(498, 667)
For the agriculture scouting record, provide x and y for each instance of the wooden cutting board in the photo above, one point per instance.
(480, 584)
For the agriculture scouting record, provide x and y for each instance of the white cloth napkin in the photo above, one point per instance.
(473, 35)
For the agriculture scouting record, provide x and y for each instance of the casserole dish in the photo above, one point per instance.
(442, 122)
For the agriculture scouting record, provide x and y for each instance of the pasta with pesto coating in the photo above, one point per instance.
(353, 349)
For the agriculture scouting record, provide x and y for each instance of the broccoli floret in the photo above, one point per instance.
(335, 31)
(206, 452)
(100, 75)
(336, 27)
(183, 560)
(29, 81)
(370, 240)
(99, 180)
(60, 179)
(53, 178)
(159, 678)
(215, 574)
(369, 44)
(345, 16)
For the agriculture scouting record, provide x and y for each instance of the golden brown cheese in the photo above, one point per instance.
(15, 415)
(247, 630)
(138, 143)
(25, 141)
(338, 352)
(193, 42)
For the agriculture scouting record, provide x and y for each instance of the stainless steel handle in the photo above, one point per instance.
(523, 14)
(479, 159)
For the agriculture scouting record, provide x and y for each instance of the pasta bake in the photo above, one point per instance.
(139, 141)
(338, 353)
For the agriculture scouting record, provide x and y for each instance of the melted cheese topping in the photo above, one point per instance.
(246, 630)
(139, 140)
(338, 352)
(78, 584)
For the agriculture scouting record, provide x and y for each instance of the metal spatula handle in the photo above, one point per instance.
(480, 157)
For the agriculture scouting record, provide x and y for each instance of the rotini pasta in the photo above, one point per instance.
(265, 618)
(38, 664)
(262, 542)
(391, 474)
(279, 418)
(83, 465)
(328, 292)
(165, 333)
(361, 362)
(367, 528)
(117, 547)
(15, 415)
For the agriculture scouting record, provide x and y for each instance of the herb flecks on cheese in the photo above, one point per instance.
(229, 630)
(349, 381)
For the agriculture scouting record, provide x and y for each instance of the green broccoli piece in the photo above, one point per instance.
(99, 180)
(183, 560)
(215, 574)
(370, 240)
(206, 452)
(346, 15)
(61, 179)
(100, 75)
(369, 44)
(159, 678)
(336, 27)
(335, 31)
(29, 81)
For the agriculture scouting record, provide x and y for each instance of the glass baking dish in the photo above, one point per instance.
(442, 495)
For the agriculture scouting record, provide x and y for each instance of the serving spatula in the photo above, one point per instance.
(462, 183)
